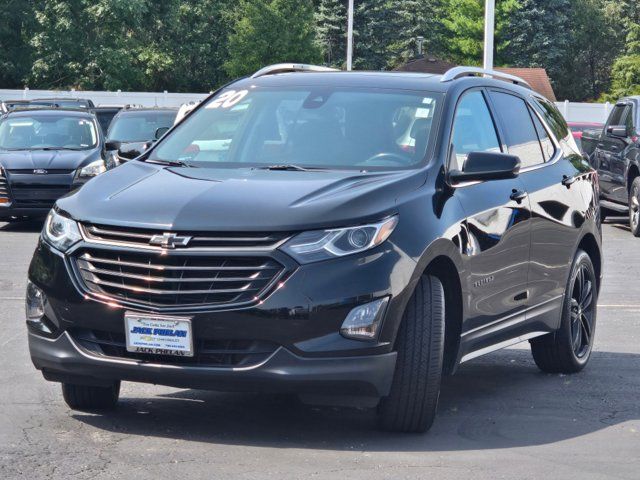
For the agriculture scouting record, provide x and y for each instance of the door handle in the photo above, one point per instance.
(600, 145)
(567, 180)
(518, 195)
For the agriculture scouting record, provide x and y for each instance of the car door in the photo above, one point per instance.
(557, 206)
(620, 156)
(496, 251)
(611, 149)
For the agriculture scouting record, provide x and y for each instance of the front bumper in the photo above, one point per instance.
(302, 319)
(62, 359)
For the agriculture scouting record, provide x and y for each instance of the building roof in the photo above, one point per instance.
(536, 77)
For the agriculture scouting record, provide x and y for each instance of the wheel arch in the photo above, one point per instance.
(590, 245)
(443, 260)
(632, 173)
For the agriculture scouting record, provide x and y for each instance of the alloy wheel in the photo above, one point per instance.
(582, 303)
(634, 205)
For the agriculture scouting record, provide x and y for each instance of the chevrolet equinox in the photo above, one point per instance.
(336, 235)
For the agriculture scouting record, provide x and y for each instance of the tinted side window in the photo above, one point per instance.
(473, 129)
(618, 113)
(548, 149)
(522, 138)
(553, 117)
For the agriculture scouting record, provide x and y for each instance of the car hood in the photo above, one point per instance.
(45, 159)
(152, 196)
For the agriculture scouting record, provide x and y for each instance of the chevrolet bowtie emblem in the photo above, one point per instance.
(169, 240)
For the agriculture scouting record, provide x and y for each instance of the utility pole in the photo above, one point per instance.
(350, 37)
(489, 25)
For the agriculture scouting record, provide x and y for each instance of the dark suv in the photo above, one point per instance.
(330, 234)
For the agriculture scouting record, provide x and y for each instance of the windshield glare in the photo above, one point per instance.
(139, 126)
(308, 127)
(48, 131)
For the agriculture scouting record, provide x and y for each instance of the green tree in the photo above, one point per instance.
(331, 31)
(16, 23)
(539, 34)
(625, 74)
(271, 31)
(464, 28)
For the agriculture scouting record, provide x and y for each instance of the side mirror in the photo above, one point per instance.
(160, 132)
(617, 131)
(481, 166)
(112, 145)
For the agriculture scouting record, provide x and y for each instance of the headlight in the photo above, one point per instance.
(61, 232)
(92, 170)
(320, 245)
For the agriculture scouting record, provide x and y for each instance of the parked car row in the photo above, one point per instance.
(614, 151)
(339, 235)
(50, 147)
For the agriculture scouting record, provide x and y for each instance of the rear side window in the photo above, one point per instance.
(617, 115)
(473, 130)
(548, 149)
(521, 135)
(553, 118)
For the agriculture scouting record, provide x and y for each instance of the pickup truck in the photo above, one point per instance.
(614, 152)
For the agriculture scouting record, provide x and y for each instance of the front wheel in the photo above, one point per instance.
(90, 397)
(413, 399)
(634, 207)
(568, 349)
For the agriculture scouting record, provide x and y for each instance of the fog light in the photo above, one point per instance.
(34, 308)
(363, 321)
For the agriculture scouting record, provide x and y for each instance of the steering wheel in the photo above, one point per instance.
(387, 158)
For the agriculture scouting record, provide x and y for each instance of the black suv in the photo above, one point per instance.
(330, 234)
(133, 130)
(44, 154)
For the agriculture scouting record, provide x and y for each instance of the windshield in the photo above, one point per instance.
(139, 126)
(308, 127)
(48, 131)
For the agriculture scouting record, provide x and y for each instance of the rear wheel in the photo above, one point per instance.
(569, 348)
(413, 399)
(89, 397)
(634, 207)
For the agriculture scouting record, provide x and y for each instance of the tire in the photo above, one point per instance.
(89, 397)
(634, 207)
(413, 399)
(569, 348)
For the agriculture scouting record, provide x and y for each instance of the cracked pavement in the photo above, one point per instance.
(499, 417)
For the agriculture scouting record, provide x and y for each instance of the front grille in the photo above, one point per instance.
(219, 240)
(176, 279)
(50, 171)
(37, 196)
(209, 353)
(4, 189)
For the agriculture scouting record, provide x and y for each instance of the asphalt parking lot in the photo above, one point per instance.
(499, 417)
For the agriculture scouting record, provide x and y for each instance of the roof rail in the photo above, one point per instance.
(459, 72)
(291, 67)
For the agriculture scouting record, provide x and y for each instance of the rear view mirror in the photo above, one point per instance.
(617, 131)
(486, 166)
(112, 145)
(160, 132)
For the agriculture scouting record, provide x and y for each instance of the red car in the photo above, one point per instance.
(578, 127)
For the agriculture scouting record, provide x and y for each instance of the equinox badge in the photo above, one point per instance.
(169, 240)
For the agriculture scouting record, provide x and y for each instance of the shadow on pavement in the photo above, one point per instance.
(34, 226)
(500, 401)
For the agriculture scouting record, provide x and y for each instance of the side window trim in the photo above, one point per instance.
(554, 141)
(496, 126)
(503, 135)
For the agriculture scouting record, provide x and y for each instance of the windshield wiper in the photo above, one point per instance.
(291, 168)
(56, 148)
(171, 163)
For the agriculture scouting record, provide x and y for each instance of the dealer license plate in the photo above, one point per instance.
(158, 335)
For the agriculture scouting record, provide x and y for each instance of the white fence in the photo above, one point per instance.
(147, 99)
(572, 111)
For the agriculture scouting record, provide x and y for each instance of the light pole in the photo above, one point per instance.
(489, 14)
(350, 36)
